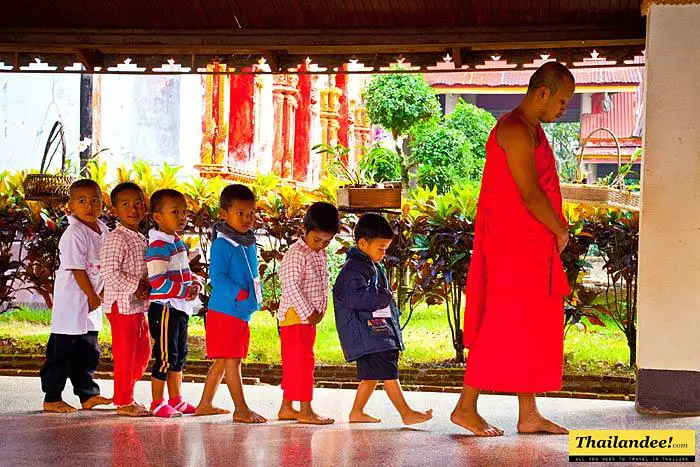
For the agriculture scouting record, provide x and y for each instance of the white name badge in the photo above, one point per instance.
(258, 289)
(383, 313)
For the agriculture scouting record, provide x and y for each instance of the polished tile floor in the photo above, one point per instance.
(99, 437)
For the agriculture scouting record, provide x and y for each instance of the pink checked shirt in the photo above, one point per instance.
(304, 278)
(123, 266)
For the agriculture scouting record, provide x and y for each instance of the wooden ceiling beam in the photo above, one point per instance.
(324, 41)
(90, 58)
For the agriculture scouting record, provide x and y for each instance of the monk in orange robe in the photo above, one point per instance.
(514, 317)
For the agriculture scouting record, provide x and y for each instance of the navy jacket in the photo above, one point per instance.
(361, 289)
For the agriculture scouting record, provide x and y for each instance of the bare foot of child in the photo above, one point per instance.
(288, 413)
(313, 418)
(248, 416)
(473, 422)
(413, 417)
(203, 410)
(539, 424)
(59, 407)
(361, 417)
(95, 401)
(133, 410)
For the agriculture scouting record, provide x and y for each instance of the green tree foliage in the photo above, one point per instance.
(564, 138)
(475, 123)
(397, 102)
(451, 151)
(444, 158)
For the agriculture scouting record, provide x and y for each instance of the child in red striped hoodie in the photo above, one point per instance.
(172, 287)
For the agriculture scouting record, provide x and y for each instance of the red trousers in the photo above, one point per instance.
(131, 350)
(298, 361)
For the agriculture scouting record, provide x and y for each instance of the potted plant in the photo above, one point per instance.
(359, 191)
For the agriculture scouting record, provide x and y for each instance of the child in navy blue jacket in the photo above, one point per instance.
(367, 320)
(236, 295)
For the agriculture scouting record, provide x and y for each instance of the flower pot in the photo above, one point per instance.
(366, 198)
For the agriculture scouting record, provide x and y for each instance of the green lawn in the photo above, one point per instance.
(427, 338)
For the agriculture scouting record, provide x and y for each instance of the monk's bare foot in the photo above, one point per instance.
(288, 413)
(95, 401)
(539, 424)
(248, 416)
(204, 410)
(133, 410)
(59, 407)
(361, 417)
(313, 418)
(473, 422)
(413, 417)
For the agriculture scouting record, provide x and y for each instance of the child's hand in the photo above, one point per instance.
(94, 302)
(143, 290)
(196, 265)
(315, 317)
(195, 288)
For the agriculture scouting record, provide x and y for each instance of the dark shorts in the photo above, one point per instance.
(168, 328)
(380, 366)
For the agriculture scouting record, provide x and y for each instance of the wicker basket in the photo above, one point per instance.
(615, 195)
(46, 187)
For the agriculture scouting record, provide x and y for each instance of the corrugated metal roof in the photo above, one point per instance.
(621, 119)
(519, 78)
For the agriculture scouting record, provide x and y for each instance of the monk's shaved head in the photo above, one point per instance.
(551, 75)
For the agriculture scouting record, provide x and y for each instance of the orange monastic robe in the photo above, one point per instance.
(514, 317)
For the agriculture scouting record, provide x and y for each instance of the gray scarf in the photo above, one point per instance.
(220, 227)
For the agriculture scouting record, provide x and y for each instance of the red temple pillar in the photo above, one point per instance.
(214, 131)
(302, 128)
(341, 82)
(284, 95)
(241, 119)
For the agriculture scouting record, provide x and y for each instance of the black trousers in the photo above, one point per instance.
(168, 328)
(74, 357)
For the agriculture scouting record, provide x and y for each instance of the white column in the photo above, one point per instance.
(669, 252)
(191, 96)
(451, 102)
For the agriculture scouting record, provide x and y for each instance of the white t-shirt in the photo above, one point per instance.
(79, 248)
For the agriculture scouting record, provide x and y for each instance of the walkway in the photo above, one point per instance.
(28, 437)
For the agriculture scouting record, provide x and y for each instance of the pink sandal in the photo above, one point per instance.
(164, 410)
(182, 406)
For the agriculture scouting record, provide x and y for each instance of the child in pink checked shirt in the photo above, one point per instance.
(126, 296)
(304, 278)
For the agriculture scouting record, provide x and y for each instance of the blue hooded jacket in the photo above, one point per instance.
(233, 267)
(361, 289)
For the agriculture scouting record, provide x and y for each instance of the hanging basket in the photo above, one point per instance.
(614, 195)
(46, 187)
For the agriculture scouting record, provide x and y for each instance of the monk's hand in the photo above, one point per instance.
(562, 241)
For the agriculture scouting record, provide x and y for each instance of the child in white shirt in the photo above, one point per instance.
(73, 351)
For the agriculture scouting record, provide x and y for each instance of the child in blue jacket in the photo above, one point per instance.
(236, 295)
(367, 320)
